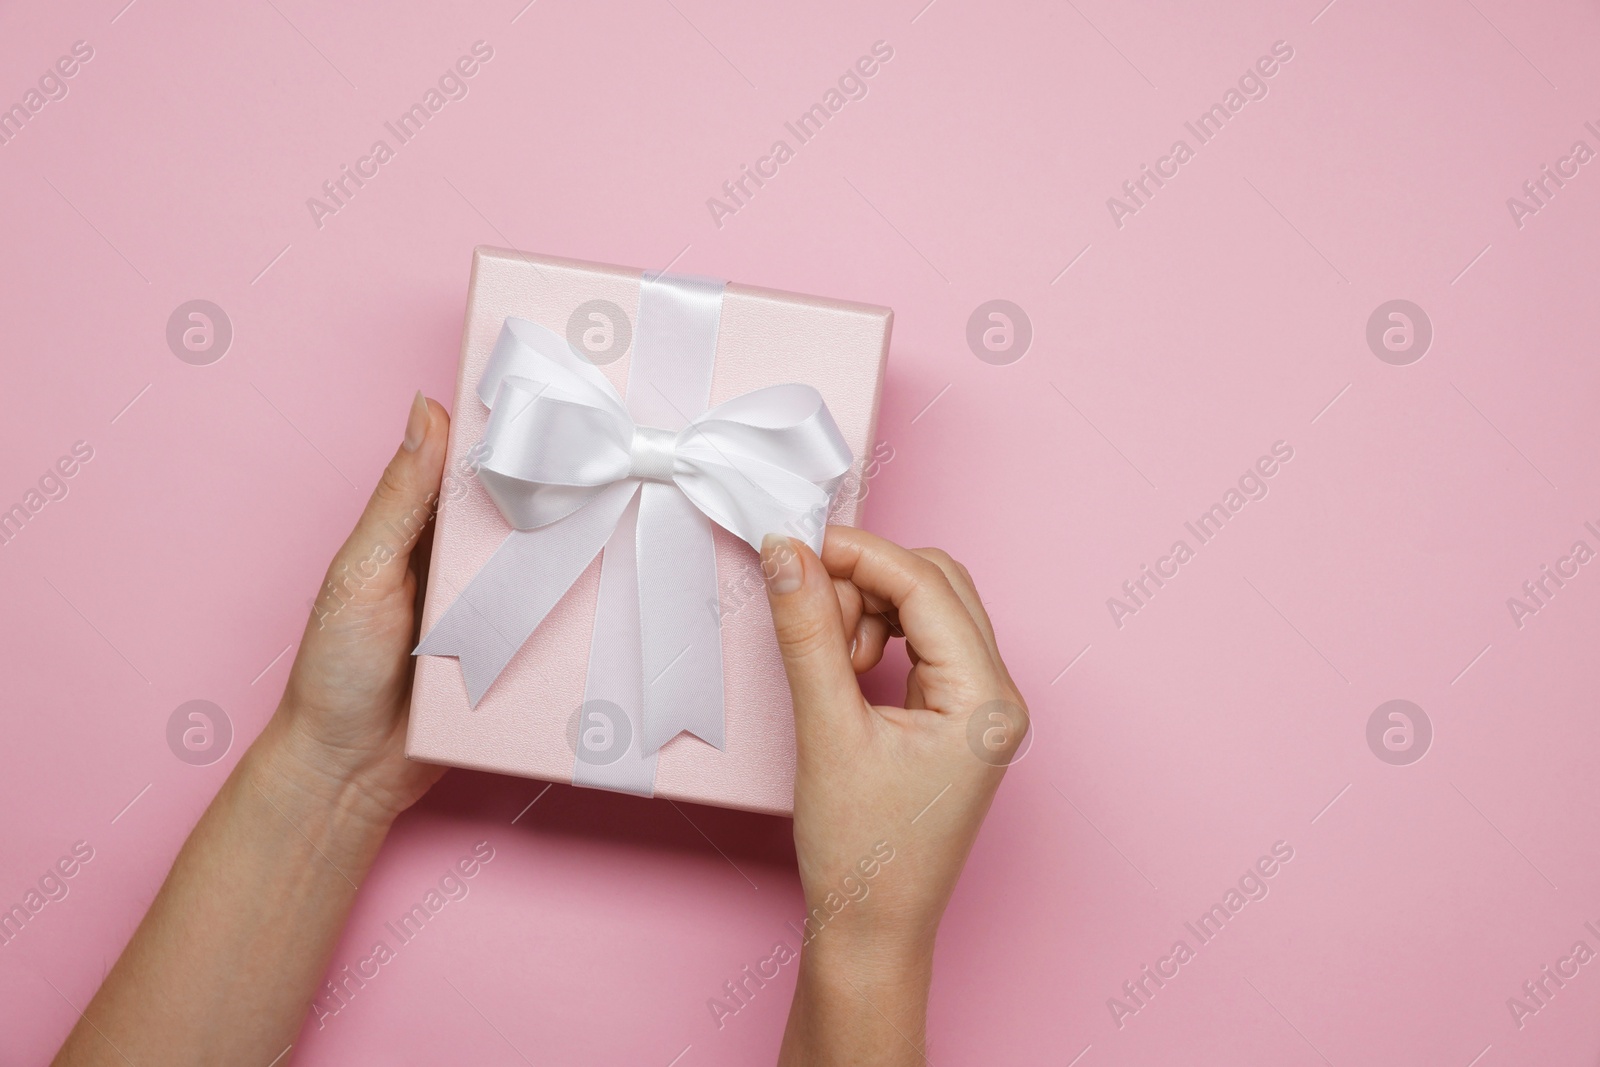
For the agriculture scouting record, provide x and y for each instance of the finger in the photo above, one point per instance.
(850, 605)
(375, 558)
(981, 613)
(935, 621)
(811, 636)
(871, 605)
(421, 558)
(868, 631)
(961, 581)
(914, 697)
(872, 636)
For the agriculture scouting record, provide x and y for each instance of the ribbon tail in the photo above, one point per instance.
(680, 635)
(527, 575)
(615, 684)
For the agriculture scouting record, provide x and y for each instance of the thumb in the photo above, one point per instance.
(805, 613)
(379, 548)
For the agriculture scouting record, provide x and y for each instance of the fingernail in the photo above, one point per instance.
(852, 648)
(416, 424)
(781, 564)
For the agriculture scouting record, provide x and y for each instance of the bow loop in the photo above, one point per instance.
(532, 431)
(527, 350)
(531, 473)
(765, 462)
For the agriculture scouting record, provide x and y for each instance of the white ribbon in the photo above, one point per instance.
(575, 470)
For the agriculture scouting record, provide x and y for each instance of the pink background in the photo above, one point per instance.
(1226, 315)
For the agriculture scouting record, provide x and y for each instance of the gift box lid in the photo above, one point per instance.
(526, 724)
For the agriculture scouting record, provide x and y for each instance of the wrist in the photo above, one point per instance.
(306, 783)
(857, 1002)
(838, 957)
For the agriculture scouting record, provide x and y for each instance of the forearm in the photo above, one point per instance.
(227, 959)
(854, 1006)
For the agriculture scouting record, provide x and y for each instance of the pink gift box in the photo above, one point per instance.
(521, 726)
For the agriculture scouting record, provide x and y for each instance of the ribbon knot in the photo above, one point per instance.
(652, 454)
(576, 470)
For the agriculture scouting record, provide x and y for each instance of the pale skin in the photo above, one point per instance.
(226, 961)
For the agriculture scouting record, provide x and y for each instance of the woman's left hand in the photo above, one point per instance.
(340, 729)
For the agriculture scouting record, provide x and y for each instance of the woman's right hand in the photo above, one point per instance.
(888, 800)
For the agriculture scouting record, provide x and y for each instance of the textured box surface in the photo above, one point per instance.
(522, 724)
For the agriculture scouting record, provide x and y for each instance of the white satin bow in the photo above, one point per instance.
(559, 437)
